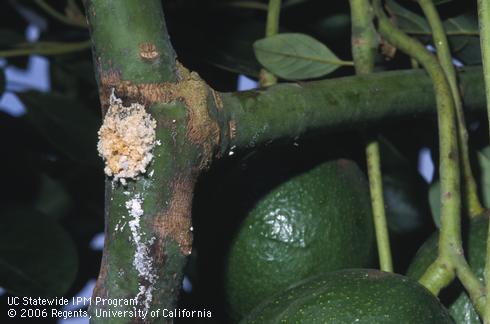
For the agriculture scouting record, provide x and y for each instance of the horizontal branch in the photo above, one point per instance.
(289, 110)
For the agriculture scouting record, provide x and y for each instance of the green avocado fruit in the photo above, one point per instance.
(352, 296)
(454, 297)
(315, 222)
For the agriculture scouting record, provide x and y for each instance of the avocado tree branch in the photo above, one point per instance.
(156, 136)
(364, 46)
(450, 234)
(289, 110)
(473, 205)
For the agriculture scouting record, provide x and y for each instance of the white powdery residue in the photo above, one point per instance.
(142, 260)
(120, 227)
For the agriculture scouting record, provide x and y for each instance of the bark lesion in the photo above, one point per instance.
(203, 130)
(175, 222)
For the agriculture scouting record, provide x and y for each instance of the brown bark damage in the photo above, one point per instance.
(175, 223)
(202, 129)
(148, 52)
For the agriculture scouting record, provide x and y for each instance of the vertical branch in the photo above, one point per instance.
(484, 22)
(272, 28)
(473, 204)
(450, 235)
(364, 45)
(156, 136)
(377, 202)
(450, 260)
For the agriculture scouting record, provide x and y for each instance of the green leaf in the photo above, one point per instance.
(295, 56)
(37, 256)
(435, 202)
(407, 20)
(68, 125)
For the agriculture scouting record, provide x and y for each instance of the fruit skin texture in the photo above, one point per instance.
(455, 297)
(316, 222)
(352, 296)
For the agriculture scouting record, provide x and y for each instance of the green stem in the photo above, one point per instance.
(364, 45)
(377, 202)
(272, 28)
(364, 38)
(484, 22)
(46, 49)
(58, 16)
(473, 204)
(450, 234)
(289, 110)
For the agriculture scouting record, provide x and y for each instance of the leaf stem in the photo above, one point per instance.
(484, 22)
(58, 16)
(364, 45)
(442, 271)
(377, 203)
(266, 78)
(51, 48)
(473, 204)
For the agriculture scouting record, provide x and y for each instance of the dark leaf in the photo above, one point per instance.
(464, 40)
(52, 200)
(232, 50)
(435, 202)
(403, 191)
(69, 126)
(37, 257)
(10, 38)
(407, 20)
(484, 162)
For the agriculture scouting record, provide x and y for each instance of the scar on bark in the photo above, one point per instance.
(148, 51)
(232, 128)
(175, 223)
(202, 129)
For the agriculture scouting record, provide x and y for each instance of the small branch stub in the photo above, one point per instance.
(126, 140)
